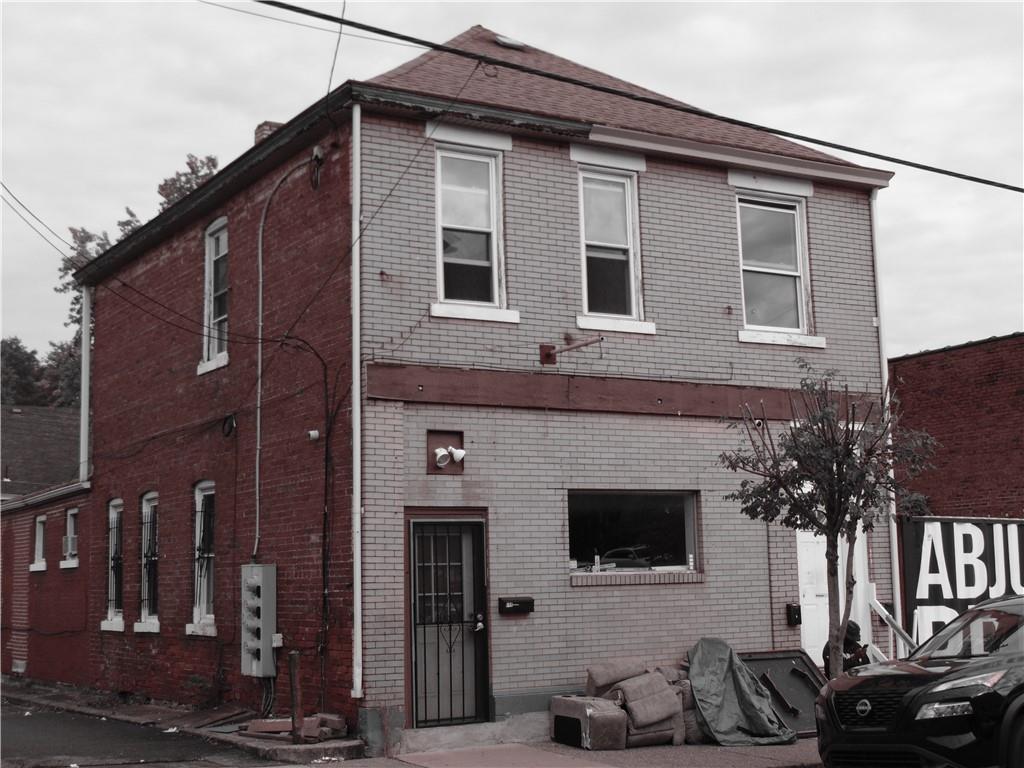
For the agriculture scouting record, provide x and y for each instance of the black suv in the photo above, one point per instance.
(957, 701)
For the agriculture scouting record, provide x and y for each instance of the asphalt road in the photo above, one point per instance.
(45, 738)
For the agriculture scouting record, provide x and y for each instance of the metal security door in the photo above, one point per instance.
(448, 613)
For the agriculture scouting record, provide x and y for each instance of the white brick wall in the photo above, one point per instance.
(521, 463)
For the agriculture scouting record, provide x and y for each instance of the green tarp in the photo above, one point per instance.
(733, 707)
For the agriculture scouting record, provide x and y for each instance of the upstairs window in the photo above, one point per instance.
(215, 311)
(69, 544)
(149, 593)
(772, 254)
(469, 231)
(115, 568)
(610, 264)
(616, 531)
(39, 545)
(202, 565)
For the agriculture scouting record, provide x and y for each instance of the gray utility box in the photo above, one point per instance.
(259, 619)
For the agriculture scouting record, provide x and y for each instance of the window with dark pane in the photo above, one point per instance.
(115, 562)
(150, 557)
(204, 551)
(608, 243)
(632, 530)
(467, 227)
(770, 245)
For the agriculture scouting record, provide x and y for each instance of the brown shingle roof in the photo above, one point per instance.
(444, 75)
(39, 448)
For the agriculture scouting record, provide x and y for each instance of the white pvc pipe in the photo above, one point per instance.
(357, 398)
(84, 468)
(894, 555)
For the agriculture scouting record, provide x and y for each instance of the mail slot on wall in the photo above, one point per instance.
(794, 616)
(515, 605)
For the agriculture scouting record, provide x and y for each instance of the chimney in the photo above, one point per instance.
(264, 129)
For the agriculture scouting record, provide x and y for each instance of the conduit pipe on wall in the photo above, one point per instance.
(84, 427)
(356, 192)
(894, 556)
(259, 346)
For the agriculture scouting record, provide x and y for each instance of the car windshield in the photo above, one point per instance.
(981, 631)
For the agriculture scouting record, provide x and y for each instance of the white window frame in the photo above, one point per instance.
(115, 616)
(38, 545)
(599, 321)
(70, 560)
(148, 621)
(802, 334)
(212, 358)
(496, 310)
(203, 620)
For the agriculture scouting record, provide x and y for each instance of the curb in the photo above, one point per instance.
(345, 749)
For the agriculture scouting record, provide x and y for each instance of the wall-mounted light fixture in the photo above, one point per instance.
(445, 454)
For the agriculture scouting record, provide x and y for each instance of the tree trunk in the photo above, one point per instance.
(835, 652)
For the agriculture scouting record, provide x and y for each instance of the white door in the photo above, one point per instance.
(810, 558)
(810, 555)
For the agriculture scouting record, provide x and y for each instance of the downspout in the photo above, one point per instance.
(894, 557)
(357, 401)
(84, 468)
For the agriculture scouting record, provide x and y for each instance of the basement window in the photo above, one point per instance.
(615, 533)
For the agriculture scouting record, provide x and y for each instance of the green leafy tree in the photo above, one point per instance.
(20, 373)
(197, 171)
(832, 470)
(61, 374)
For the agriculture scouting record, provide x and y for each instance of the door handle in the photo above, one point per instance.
(479, 622)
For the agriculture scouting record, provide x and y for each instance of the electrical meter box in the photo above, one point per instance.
(259, 619)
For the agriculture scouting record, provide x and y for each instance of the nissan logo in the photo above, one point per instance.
(863, 707)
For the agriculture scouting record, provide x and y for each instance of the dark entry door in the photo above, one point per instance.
(449, 636)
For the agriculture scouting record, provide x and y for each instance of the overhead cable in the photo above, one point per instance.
(613, 91)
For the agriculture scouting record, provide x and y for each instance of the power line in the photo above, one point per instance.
(307, 26)
(658, 102)
(33, 228)
(30, 213)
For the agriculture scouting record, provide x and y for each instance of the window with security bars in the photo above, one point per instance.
(149, 582)
(216, 303)
(204, 553)
(115, 562)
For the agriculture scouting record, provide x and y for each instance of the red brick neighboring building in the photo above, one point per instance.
(970, 398)
(414, 461)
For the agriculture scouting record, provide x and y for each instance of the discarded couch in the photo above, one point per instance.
(625, 706)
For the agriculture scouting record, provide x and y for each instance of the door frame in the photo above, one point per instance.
(442, 515)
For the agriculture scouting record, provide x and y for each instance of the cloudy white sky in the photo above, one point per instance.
(103, 100)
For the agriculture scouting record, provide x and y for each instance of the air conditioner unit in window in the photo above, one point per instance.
(70, 546)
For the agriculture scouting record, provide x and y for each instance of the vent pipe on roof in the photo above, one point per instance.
(508, 42)
(264, 129)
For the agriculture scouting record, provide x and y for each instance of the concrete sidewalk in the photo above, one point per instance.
(803, 754)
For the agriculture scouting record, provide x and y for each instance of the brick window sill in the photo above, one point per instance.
(636, 577)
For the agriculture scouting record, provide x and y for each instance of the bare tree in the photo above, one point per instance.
(832, 470)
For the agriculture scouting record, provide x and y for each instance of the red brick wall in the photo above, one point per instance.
(971, 399)
(44, 612)
(158, 426)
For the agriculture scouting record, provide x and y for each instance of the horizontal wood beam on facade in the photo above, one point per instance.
(553, 391)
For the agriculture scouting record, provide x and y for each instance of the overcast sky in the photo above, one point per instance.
(103, 100)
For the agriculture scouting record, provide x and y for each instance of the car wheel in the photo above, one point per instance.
(1015, 743)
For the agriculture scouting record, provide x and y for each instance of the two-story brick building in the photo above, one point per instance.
(329, 359)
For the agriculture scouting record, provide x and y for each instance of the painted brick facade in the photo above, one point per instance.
(159, 427)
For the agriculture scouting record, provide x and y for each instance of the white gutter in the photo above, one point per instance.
(49, 494)
(84, 468)
(894, 555)
(357, 402)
